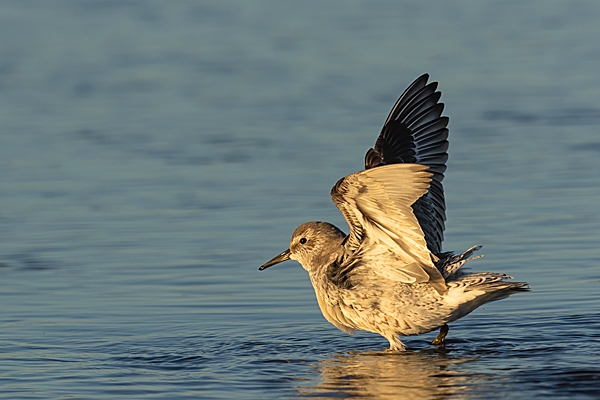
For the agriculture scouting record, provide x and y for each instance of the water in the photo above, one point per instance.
(154, 154)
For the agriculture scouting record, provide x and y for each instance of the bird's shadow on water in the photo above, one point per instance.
(413, 373)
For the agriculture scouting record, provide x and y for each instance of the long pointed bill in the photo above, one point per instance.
(284, 256)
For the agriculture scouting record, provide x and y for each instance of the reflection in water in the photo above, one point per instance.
(393, 375)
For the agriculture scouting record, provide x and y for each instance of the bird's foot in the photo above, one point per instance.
(440, 340)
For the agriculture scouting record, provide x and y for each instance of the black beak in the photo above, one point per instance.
(284, 256)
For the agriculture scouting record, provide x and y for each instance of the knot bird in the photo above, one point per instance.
(389, 274)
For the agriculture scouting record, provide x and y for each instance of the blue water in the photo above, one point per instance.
(154, 154)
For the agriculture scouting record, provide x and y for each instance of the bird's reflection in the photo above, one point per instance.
(393, 375)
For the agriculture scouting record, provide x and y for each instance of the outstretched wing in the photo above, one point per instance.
(415, 132)
(385, 235)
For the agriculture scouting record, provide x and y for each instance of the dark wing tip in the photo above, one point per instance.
(416, 132)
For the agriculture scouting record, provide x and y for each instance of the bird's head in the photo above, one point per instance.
(313, 244)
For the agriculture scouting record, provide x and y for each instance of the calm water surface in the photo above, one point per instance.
(154, 154)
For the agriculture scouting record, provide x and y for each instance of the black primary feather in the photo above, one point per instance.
(415, 132)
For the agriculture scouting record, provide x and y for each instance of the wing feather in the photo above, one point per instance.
(415, 132)
(385, 235)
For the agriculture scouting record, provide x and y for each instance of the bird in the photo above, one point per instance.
(389, 275)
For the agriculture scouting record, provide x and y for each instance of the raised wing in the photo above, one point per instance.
(415, 132)
(385, 235)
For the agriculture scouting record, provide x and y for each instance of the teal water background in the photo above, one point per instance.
(154, 154)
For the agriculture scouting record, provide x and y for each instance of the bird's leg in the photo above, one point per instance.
(440, 340)
(395, 343)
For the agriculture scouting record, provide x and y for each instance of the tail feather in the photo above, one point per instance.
(449, 264)
(467, 291)
(474, 290)
(500, 290)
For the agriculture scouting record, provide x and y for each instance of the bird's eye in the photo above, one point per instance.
(302, 240)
